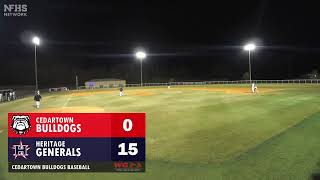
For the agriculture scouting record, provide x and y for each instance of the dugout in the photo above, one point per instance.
(7, 95)
(105, 83)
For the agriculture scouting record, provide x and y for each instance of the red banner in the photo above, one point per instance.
(68, 125)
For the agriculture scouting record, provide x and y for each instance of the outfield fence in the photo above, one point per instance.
(291, 81)
(25, 91)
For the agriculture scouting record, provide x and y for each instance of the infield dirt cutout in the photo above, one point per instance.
(238, 90)
(129, 93)
(2, 129)
(142, 93)
(90, 93)
(75, 109)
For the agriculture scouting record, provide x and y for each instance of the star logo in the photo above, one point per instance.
(20, 150)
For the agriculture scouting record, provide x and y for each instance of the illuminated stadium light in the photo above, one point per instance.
(141, 55)
(249, 47)
(36, 40)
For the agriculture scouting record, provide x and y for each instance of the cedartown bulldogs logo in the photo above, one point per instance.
(20, 124)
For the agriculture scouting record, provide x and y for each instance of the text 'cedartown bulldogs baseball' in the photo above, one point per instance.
(83, 142)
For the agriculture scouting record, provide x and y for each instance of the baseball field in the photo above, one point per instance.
(201, 132)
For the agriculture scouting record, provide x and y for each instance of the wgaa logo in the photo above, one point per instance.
(20, 124)
(20, 150)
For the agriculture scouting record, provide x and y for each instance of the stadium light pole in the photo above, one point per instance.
(36, 42)
(249, 47)
(141, 55)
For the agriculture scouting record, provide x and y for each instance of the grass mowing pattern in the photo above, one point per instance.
(208, 135)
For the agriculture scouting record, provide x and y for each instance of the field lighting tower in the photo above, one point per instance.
(249, 47)
(36, 42)
(141, 55)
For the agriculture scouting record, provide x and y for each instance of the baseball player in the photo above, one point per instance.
(14, 95)
(254, 88)
(0, 96)
(10, 96)
(121, 91)
(5, 96)
(37, 99)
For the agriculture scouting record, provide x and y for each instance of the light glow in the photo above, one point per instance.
(36, 40)
(249, 47)
(141, 55)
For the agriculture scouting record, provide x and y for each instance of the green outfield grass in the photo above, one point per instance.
(202, 132)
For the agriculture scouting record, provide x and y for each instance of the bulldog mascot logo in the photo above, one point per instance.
(20, 124)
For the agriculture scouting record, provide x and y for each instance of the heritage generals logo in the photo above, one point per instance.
(20, 124)
(20, 150)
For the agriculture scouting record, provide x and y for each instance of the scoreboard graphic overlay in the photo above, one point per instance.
(76, 142)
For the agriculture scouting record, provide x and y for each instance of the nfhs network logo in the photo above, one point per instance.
(20, 124)
(15, 10)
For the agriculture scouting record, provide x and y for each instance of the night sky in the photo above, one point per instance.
(185, 41)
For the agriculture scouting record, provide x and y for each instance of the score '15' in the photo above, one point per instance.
(132, 147)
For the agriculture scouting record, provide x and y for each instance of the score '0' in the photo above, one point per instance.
(127, 125)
